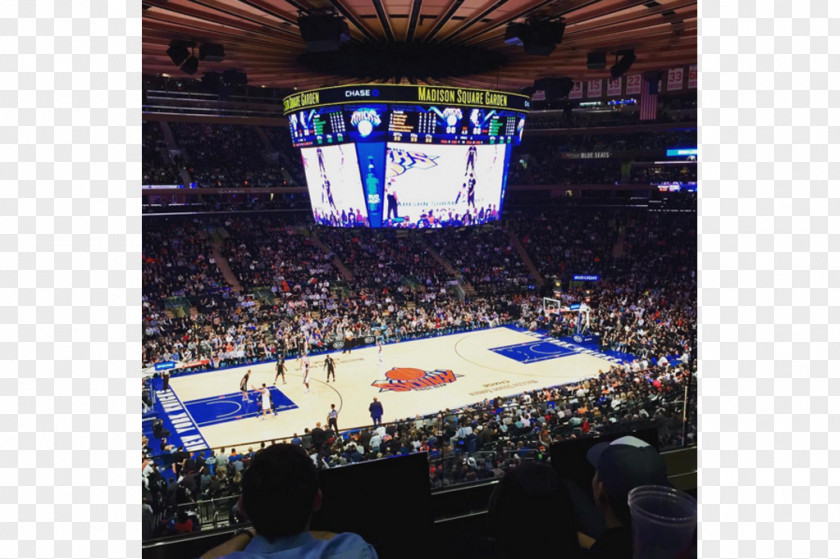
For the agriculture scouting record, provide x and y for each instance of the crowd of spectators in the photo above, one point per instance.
(156, 170)
(561, 242)
(480, 441)
(281, 140)
(269, 252)
(546, 165)
(655, 174)
(486, 258)
(614, 142)
(222, 155)
(178, 264)
(387, 262)
(565, 115)
(390, 269)
(644, 306)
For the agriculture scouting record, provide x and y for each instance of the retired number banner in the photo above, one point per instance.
(692, 76)
(634, 84)
(675, 79)
(614, 87)
(577, 91)
(594, 88)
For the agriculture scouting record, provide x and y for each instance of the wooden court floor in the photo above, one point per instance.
(415, 377)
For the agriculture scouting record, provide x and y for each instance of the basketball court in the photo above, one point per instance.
(418, 377)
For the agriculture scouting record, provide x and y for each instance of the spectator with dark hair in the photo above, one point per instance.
(621, 466)
(280, 491)
(530, 515)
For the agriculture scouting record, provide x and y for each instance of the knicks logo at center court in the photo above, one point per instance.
(403, 379)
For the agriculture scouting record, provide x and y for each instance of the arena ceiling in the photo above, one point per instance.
(261, 37)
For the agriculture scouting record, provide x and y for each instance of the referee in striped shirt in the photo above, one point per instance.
(332, 419)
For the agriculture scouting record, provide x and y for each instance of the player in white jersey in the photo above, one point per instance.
(265, 399)
(381, 357)
(306, 374)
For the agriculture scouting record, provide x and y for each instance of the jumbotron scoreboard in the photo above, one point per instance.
(405, 156)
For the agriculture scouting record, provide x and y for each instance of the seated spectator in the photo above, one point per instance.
(183, 523)
(158, 429)
(280, 491)
(530, 515)
(621, 466)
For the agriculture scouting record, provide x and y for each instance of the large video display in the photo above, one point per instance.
(436, 185)
(335, 187)
(405, 156)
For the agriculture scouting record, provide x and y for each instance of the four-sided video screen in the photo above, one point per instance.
(399, 160)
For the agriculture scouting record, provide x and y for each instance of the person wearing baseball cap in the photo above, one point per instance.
(620, 466)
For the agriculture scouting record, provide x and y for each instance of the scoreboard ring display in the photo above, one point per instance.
(405, 156)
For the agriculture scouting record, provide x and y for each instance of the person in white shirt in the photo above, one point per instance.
(265, 400)
(381, 357)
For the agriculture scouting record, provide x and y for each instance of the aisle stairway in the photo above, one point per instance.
(339, 265)
(264, 139)
(468, 288)
(618, 247)
(217, 242)
(523, 254)
(167, 135)
(172, 145)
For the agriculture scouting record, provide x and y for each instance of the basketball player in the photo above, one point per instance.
(328, 191)
(471, 191)
(265, 398)
(329, 365)
(304, 352)
(306, 374)
(281, 370)
(471, 155)
(320, 154)
(381, 357)
(461, 192)
(392, 200)
(243, 386)
(304, 362)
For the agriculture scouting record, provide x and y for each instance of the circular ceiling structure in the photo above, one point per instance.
(458, 43)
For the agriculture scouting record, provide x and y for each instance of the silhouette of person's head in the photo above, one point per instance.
(280, 491)
(531, 499)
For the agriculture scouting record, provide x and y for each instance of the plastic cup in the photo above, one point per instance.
(664, 522)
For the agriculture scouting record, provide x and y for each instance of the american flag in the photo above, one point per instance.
(649, 100)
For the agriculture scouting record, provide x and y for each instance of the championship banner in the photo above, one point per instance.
(577, 91)
(675, 79)
(594, 88)
(634, 84)
(692, 76)
(614, 87)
